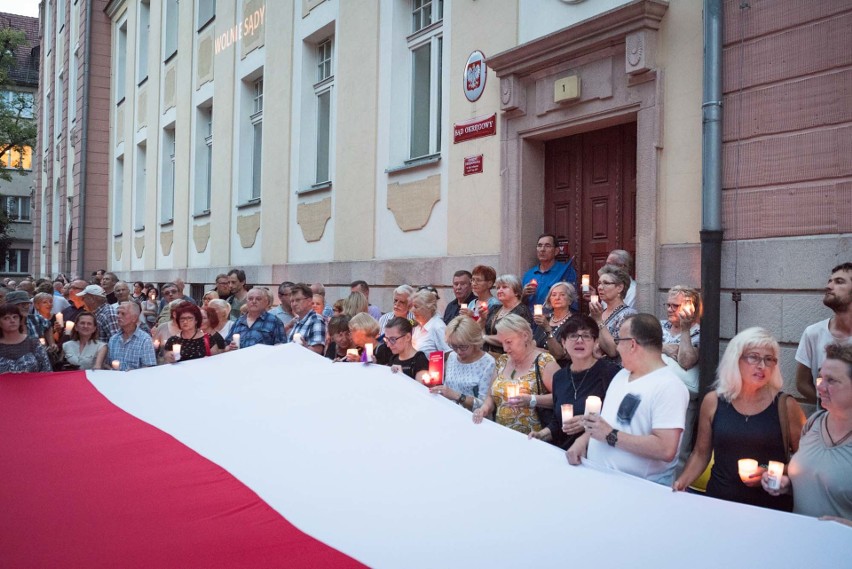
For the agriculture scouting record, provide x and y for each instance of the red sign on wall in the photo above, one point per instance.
(475, 128)
(473, 165)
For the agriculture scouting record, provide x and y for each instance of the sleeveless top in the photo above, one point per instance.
(737, 436)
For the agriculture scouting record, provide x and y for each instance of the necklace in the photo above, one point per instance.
(830, 438)
(577, 387)
(554, 323)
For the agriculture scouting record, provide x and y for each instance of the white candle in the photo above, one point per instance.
(235, 338)
(368, 350)
(156, 344)
(176, 351)
(512, 391)
(538, 310)
(350, 351)
(60, 319)
(69, 327)
(747, 467)
(594, 298)
(116, 364)
(297, 338)
(42, 341)
(567, 412)
(593, 405)
(776, 471)
(585, 280)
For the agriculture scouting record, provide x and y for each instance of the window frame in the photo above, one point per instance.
(431, 35)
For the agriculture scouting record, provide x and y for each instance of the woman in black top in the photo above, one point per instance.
(547, 328)
(194, 343)
(509, 294)
(585, 376)
(405, 358)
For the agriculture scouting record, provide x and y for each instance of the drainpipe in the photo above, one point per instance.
(711, 193)
(84, 143)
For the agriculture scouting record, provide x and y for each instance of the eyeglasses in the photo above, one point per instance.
(756, 359)
(670, 306)
(583, 337)
(391, 341)
(459, 347)
(617, 340)
(544, 246)
(606, 283)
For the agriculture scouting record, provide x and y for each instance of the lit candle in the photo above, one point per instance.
(156, 344)
(776, 471)
(42, 341)
(747, 468)
(368, 351)
(176, 351)
(594, 298)
(352, 352)
(535, 282)
(585, 281)
(538, 310)
(567, 412)
(116, 364)
(69, 327)
(60, 319)
(297, 338)
(818, 381)
(235, 338)
(593, 405)
(512, 391)
(435, 378)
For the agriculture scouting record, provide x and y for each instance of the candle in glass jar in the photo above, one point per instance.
(60, 319)
(538, 310)
(368, 351)
(567, 412)
(585, 281)
(593, 405)
(776, 471)
(747, 468)
(352, 352)
(116, 364)
(69, 327)
(235, 338)
(594, 298)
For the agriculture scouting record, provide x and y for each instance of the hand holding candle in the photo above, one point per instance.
(116, 365)
(776, 471)
(297, 338)
(60, 319)
(176, 352)
(538, 310)
(235, 339)
(749, 471)
(368, 353)
(593, 405)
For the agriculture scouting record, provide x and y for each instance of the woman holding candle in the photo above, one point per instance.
(341, 338)
(429, 334)
(363, 331)
(139, 292)
(547, 328)
(509, 295)
(820, 473)
(84, 350)
(19, 353)
(150, 306)
(468, 370)
(406, 358)
(522, 367)
(194, 343)
(681, 331)
(223, 311)
(482, 282)
(609, 311)
(586, 376)
(746, 417)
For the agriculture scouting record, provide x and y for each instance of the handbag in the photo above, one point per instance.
(544, 415)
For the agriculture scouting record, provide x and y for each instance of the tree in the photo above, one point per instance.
(18, 130)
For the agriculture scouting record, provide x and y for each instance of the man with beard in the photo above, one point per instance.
(834, 330)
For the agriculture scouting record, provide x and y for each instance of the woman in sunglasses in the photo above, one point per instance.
(406, 358)
(584, 377)
(468, 370)
(746, 416)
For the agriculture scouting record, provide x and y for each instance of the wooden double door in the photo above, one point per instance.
(590, 194)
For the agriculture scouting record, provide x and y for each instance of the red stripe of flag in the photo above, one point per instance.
(84, 484)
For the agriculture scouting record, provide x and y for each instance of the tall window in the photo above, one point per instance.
(170, 28)
(206, 12)
(60, 14)
(323, 90)
(117, 197)
(139, 187)
(426, 46)
(144, 22)
(13, 158)
(17, 261)
(167, 196)
(57, 207)
(203, 159)
(18, 103)
(57, 121)
(18, 208)
(257, 138)
(121, 62)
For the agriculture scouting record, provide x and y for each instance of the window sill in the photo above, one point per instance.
(250, 203)
(321, 187)
(201, 214)
(142, 82)
(425, 31)
(204, 25)
(138, 229)
(117, 235)
(167, 223)
(415, 164)
(171, 56)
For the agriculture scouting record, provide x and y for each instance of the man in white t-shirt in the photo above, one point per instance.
(834, 330)
(639, 428)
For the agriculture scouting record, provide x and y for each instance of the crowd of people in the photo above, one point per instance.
(576, 366)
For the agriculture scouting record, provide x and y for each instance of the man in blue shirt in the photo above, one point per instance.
(538, 280)
(256, 326)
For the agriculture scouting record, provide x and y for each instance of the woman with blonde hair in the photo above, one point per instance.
(509, 295)
(746, 416)
(523, 380)
(363, 330)
(223, 310)
(355, 303)
(428, 334)
(468, 370)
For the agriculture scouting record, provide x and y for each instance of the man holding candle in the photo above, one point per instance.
(639, 428)
(256, 326)
(130, 347)
(538, 280)
(307, 324)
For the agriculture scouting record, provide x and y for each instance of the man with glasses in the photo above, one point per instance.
(638, 430)
(256, 326)
(309, 325)
(283, 311)
(223, 286)
(538, 280)
(169, 292)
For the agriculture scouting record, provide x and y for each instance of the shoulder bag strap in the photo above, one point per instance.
(207, 344)
(539, 387)
(785, 424)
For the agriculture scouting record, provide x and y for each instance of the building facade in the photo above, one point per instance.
(71, 187)
(19, 96)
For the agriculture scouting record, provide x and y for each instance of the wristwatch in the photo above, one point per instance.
(532, 402)
(612, 438)
(461, 399)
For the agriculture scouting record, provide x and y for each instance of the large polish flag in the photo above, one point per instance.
(276, 457)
